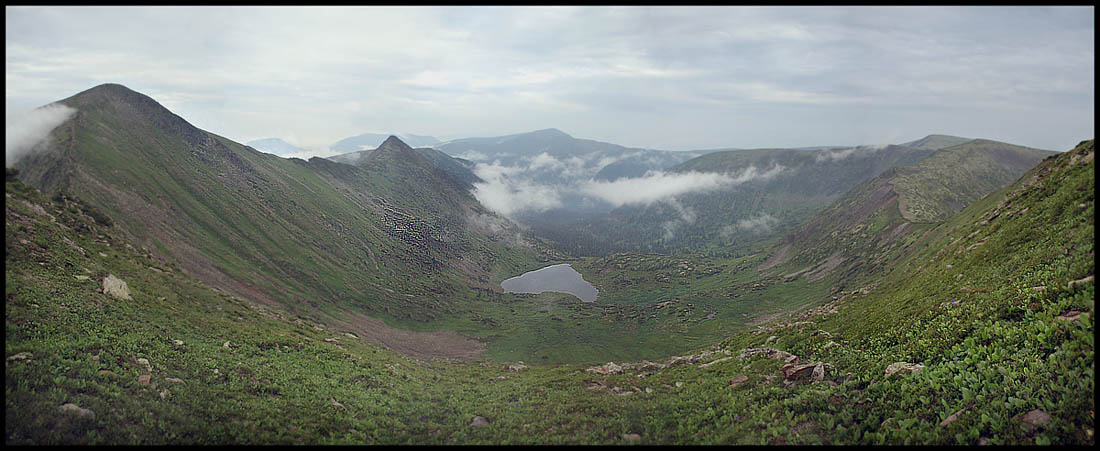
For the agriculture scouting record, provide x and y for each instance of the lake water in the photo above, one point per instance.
(557, 278)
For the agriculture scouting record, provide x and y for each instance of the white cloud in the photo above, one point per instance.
(841, 154)
(507, 192)
(677, 77)
(544, 160)
(23, 132)
(656, 186)
(758, 225)
(686, 215)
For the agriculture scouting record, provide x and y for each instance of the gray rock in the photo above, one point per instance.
(610, 368)
(116, 287)
(70, 407)
(1036, 418)
(21, 357)
(900, 368)
(479, 421)
(631, 437)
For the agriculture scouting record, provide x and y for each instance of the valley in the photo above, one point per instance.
(358, 298)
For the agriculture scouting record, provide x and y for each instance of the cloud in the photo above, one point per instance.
(657, 186)
(686, 216)
(507, 192)
(23, 132)
(837, 155)
(669, 77)
(544, 160)
(759, 225)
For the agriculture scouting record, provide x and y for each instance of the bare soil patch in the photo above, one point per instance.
(445, 344)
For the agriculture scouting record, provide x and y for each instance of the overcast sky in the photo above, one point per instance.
(673, 78)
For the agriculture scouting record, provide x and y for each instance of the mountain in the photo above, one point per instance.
(586, 156)
(936, 142)
(275, 146)
(534, 177)
(456, 167)
(887, 214)
(801, 183)
(771, 192)
(397, 238)
(368, 141)
(981, 335)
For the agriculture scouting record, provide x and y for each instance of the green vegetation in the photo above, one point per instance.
(996, 303)
(309, 236)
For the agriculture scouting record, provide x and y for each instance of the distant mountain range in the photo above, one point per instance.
(802, 183)
(357, 143)
(275, 146)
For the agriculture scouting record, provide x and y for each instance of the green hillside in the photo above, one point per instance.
(1002, 333)
(885, 217)
(318, 238)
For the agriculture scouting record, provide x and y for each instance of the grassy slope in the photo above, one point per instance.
(998, 353)
(881, 219)
(282, 231)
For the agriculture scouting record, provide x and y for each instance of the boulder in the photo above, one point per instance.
(609, 368)
(737, 380)
(70, 407)
(792, 372)
(631, 437)
(22, 356)
(518, 366)
(479, 421)
(1035, 418)
(900, 368)
(116, 287)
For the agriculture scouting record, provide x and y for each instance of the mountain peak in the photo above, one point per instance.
(551, 132)
(132, 107)
(394, 143)
(937, 141)
(108, 92)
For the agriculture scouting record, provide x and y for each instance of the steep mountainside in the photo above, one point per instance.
(956, 344)
(397, 237)
(876, 220)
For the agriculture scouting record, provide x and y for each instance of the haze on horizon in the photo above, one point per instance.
(674, 78)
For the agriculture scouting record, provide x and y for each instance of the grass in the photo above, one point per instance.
(998, 353)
